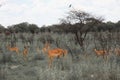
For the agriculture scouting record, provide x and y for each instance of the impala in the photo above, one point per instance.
(52, 53)
(14, 49)
(101, 53)
(25, 53)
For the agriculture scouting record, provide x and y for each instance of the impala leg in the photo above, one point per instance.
(50, 62)
(25, 57)
(107, 58)
(17, 52)
(103, 56)
(58, 56)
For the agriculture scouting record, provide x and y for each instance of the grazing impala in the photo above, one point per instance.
(14, 49)
(57, 52)
(25, 53)
(101, 53)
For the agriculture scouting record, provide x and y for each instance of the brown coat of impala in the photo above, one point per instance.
(101, 52)
(25, 53)
(52, 53)
(14, 49)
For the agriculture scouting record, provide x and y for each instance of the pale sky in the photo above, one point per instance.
(48, 12)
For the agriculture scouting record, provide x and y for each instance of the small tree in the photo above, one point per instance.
(81, 23)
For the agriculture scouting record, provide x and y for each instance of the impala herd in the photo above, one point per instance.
(57, 52)
(52, 53)
(105, 53)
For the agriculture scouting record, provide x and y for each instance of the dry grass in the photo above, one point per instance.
(87, 67)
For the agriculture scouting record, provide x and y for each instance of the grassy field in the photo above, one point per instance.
(88, 67)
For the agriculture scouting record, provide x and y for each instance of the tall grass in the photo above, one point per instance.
(88, 67)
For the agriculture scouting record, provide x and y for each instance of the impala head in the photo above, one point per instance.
(95, 49)
(44, 50)
(46, 47)
(26, 47)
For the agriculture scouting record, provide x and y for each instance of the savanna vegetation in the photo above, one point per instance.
(81, 47)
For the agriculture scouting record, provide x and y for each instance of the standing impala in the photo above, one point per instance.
(52, 53)
(101, 53)
(25, 53)
(14, 49)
